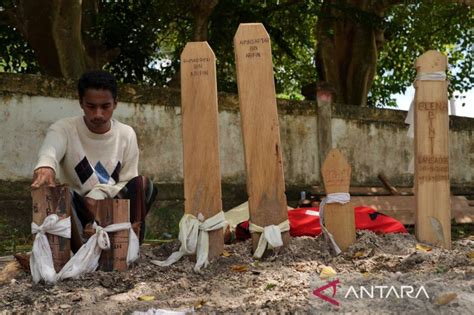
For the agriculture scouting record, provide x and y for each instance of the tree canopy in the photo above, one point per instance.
(366, 50)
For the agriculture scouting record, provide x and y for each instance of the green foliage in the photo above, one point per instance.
(149, 36)
(152, 33)
(15, 53)
(413, 29)
(290, 25)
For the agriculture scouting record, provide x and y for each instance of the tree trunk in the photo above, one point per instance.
(202, 10)
(349, 38)
(54, 30)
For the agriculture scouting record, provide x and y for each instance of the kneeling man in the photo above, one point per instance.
(97, 156)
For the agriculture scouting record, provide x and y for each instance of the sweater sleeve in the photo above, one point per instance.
(53, 148)
(128, 171)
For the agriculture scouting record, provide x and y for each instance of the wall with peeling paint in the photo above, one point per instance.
(373, 140)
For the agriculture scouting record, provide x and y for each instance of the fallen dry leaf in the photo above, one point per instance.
(146, 298)
(226, 254)
(444, 299)
(199, 304)
(470, 254)
(9, 272)
(327, 272)
(359, 254)
(423, 248)
(239, 268)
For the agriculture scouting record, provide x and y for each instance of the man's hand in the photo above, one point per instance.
(44, 176)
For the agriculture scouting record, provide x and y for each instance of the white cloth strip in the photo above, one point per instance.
(194, 238)
(270, 235)
(341, 198)
(41, 259)
(410, 119)
(87, 258)
(422, 76)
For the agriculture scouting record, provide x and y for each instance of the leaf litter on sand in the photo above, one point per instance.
(283, 284)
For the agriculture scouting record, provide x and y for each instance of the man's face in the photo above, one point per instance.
(98, 107)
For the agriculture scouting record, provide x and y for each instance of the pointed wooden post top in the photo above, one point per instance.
(336, 172)
(431, 61)
(251, 31)
(194, 50)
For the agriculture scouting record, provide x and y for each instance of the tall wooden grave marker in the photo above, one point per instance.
(338, 218)
(48, 200)
(433, 213)
(202, 173)
(107, 212)
(260, 128)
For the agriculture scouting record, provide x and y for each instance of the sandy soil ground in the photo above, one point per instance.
(370, 278)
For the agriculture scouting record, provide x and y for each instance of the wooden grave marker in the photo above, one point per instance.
(432, 191)
(48, 200)
(201, 164)
(338, 218)
(260, 128)
(107, 212)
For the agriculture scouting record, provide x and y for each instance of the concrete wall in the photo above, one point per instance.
(373, 140)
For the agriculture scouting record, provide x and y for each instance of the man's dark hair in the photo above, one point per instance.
(98, 80)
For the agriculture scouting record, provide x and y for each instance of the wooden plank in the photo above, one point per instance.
(324, 101)
(48, 200)
(402, 208)
(431, 153)
(202, 175)
(107, 212)
(260, 128)
(339, 218)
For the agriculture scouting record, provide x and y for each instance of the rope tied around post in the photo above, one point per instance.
(87, 258)
(270, 235)
(341, 198)
(194, 238)
(41, 260)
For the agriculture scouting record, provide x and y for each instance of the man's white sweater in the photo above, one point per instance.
(94, 165)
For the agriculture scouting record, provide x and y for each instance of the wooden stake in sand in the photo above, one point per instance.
(202, 175)
(107, 212)
(260, 129)
(48, 200)
(433, 224)
(338, 218)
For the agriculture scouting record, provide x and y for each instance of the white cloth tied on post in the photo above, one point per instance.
(270, 235)
(194, 238)
(410, 119)
(41, 260)
(87, 257)
(341, 198)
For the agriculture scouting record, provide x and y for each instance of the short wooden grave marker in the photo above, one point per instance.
(339, 218)
(260, 128)
(48, 200)
(107, 212)
(432, 190)
(202, 174)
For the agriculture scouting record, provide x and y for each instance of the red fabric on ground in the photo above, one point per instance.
(305, 222)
